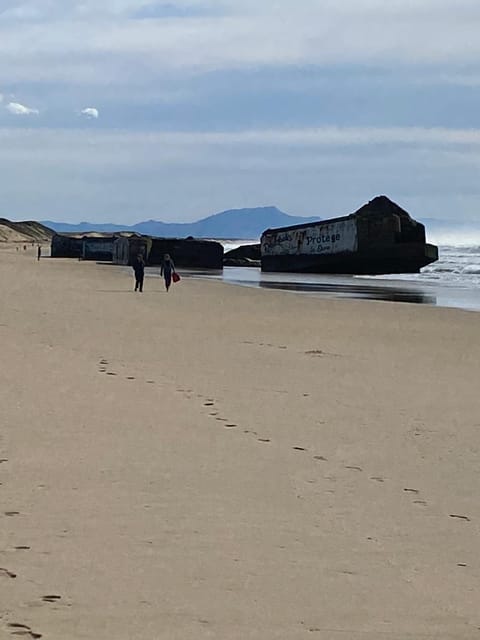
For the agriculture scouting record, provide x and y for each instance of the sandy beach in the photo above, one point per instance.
(233, 463)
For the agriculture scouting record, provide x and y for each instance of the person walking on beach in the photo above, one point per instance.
(139, 270)
(166, 270)
(39, 252)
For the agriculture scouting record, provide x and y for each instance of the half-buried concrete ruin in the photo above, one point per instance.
(380, 237)
(122, 249)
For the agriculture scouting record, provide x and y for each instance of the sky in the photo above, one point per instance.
(127, 110)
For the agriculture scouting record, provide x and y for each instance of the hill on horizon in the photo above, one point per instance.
(241, 224)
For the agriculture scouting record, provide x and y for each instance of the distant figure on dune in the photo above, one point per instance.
(139, 270)
(166, 270)
(39, 252)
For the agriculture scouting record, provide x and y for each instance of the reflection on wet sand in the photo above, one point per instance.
(319, 284)
(367, 292)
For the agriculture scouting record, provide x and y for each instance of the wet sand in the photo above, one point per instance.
(406, 288)
(226, 462)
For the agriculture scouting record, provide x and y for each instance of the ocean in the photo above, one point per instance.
(453, 281)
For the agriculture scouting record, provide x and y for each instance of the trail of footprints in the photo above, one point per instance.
(316, 353)
(18, 628)
(209, 403)
(105, 368)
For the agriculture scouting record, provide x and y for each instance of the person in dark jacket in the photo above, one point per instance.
(139, 270)
(166, 270)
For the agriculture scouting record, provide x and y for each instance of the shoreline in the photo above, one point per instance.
(333, 287)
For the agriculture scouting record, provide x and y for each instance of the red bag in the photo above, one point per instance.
(175, 277)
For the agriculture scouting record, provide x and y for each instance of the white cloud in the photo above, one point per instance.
(241, 34)
(128, 176)
(18, 109)
(91, 113)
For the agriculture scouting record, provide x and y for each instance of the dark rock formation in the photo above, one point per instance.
(248, 255)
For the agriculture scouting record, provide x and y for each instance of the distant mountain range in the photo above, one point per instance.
(248, 224)
(242, 224)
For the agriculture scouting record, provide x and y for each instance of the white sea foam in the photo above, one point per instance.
(230, 244)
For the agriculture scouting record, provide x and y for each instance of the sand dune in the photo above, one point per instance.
(23, 232)
(231, 463)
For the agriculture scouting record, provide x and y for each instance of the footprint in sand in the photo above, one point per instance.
(421, 502)
(466, 518)
(377, 478)
(230, 426)
(10, 514)
(17, 625)
(51, 598)
(221, 419)
(23, 630)
(208, 404)
(22, 548)
(150, 381)
(412, 490)
(320, 458)
(7, 573)
(354, 468)
(263, 439)
(130, 378)
(299, 448)
(110, 373)
(2, 460)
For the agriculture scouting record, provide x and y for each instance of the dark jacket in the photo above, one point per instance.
(167, 267)
(139, 266)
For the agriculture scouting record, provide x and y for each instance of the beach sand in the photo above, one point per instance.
(233, 463)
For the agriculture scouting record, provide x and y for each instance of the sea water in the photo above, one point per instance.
(452, 281)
